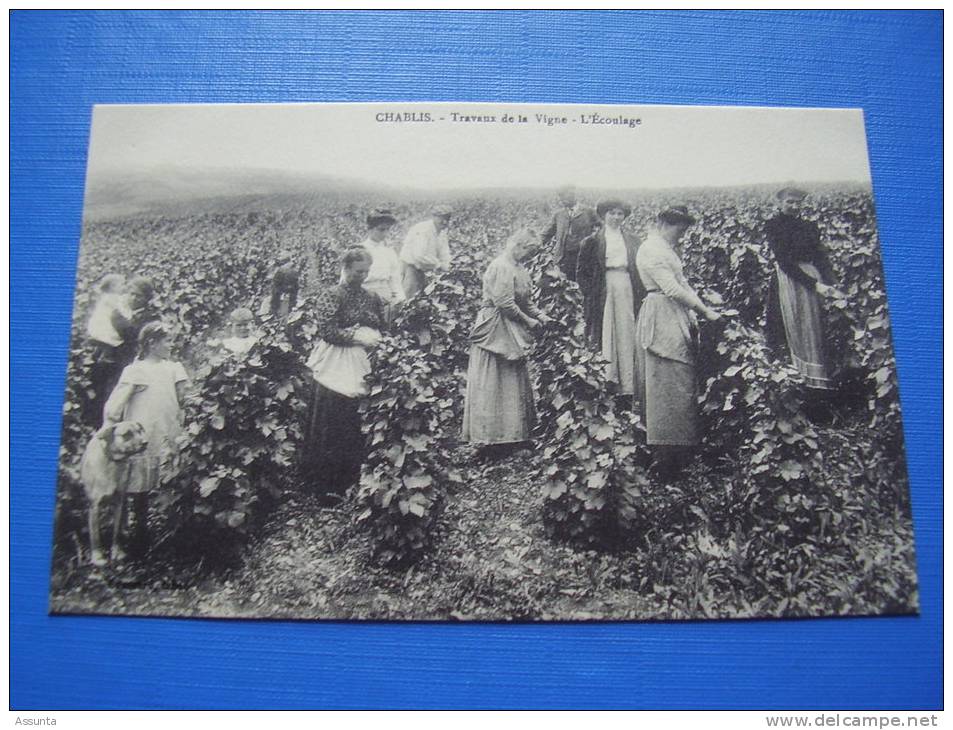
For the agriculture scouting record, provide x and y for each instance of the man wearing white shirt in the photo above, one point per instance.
(426, 248)
(384, 277)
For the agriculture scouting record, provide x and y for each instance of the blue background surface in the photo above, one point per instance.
(890, 64)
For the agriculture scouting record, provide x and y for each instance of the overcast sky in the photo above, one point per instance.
(672, 147)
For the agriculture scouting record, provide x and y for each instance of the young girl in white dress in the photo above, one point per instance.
(150, 392)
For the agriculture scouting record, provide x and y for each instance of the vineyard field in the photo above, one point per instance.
(790, 508)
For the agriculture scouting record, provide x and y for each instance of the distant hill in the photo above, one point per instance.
(181, 191)
(115, 195)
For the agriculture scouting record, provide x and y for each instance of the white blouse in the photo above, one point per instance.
(384, 277)
(616, 254)
(426, 248)
(661, 270)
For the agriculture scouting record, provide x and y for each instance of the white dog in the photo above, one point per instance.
(104, 472)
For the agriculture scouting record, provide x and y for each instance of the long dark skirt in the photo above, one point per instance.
(103, 375)
(334, 445)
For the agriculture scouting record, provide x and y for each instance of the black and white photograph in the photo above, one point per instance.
(480, 362)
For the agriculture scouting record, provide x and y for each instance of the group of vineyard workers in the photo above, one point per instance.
(639, 311)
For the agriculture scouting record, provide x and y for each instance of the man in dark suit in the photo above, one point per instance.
(571, 225)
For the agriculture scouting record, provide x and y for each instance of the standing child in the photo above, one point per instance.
(149, 392)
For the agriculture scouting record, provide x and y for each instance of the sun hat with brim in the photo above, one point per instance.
(444, 211)
(614, 204)
(677, 215)
(379, 217)
(791, 191)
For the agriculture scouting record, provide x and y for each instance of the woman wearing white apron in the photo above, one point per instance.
(349, 320)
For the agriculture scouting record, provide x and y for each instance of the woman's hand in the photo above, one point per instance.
(544, 319)
(827, 290)
(532, 323)
(367, 338)
(711, 315)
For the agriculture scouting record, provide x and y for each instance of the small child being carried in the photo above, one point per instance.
(109, 299)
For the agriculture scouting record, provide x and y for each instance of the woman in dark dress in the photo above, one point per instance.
(802, 274)
(349, 320)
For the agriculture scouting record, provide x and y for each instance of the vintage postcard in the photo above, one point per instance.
(481, 362)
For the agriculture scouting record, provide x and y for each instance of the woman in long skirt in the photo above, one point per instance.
(499, 407)
(665, 344)
(802, 273)
(349, 320)
(612, 293)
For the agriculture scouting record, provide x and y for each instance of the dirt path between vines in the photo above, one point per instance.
(490, 560)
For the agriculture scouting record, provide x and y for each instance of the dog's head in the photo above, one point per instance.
(123, 439)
